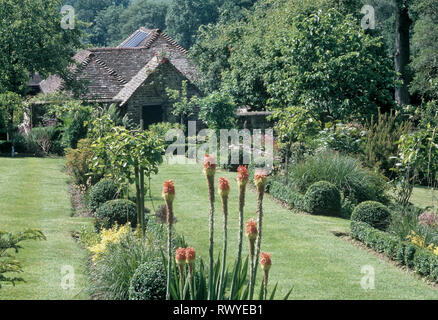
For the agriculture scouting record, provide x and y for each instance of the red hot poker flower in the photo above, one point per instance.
(260, 179)
(180, 256)
(169, 190)
(242, 175)
(265, 261)
(224, 187)
(209, 165)
(190, 256)
(251, 229)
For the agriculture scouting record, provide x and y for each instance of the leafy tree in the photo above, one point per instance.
(294, 125)
(32, 40)
(131, 155)
(330, 66)
(425, 48)
(106, 27)
(11, 111)
(184, 17)
(148, 14)
(417, 160)
(183, 106)
(217, 111)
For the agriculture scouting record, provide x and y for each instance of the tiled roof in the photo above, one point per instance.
(111, 73)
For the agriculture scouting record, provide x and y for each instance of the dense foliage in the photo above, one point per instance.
(323, 198)
(374, 213)
(31, 40)
(105, 190)
(118, 211)
(148, 281)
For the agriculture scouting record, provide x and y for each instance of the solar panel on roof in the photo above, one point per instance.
(135, 41)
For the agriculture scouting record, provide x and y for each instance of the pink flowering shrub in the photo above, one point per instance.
(428, 219)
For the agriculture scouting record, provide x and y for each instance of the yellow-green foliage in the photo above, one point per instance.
(419, 242)
(108, 236)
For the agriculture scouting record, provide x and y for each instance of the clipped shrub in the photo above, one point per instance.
(120, 211)
(323, 198)
(102, 192)
(149, 281)
(374, 213)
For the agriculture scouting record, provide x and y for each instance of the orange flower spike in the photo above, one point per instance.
(180, 256)
(169, 190)
(260, 179)
(265, 261)
(242, 175)
(190, 256)
(251, 229)
(209, 165)
(224, 187)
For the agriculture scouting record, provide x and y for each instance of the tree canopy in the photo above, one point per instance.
(32, 40)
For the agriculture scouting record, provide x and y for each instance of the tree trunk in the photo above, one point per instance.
(142, 202)
(402, 51)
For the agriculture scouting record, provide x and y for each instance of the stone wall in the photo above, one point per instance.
(153, 93)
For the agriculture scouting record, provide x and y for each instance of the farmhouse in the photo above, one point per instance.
(133, 75)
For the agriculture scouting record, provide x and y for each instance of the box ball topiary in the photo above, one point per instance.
(101, 192)
(120, 211)
(374, 213)
(149, 281)
(323, 198)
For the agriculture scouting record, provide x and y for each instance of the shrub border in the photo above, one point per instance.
(420, 260)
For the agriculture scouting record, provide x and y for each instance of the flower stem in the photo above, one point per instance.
(169, 246)
(210, 181)
(260, 195)
(224, 257)
(241, 207)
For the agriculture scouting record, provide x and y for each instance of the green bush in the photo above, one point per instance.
(149, 281)
(409, 255)
(423, 261)
(280, 191)
(374, 213)
(357, 183)
(118, 211)
(323, 198)
(102, 192)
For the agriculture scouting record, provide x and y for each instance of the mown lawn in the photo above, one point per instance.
(33, 194)
(306, 254)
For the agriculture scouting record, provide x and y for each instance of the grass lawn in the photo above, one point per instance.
(306, 254)
(424, 197)
(33, 194)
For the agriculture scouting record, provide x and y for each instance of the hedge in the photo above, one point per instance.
(421, 260)
(281, 192)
